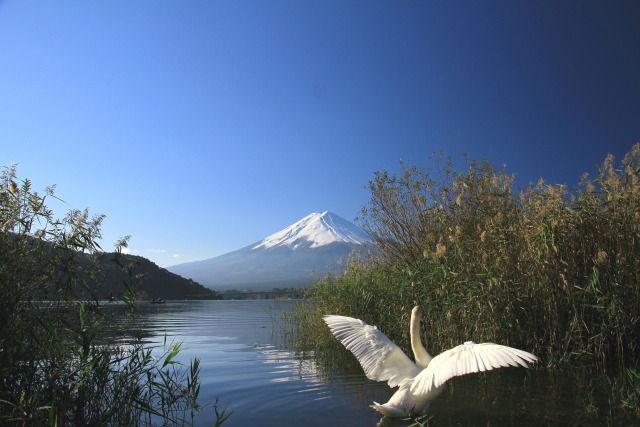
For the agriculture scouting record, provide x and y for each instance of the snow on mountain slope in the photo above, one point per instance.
(317, 229)
(295, 256)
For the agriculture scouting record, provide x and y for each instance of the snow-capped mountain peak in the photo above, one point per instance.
(316, 245)
(317, 229)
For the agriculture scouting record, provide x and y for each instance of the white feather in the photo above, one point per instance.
(468, 358)
(382, 360)
(379, 357)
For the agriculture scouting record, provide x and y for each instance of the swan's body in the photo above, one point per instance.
(420, 382)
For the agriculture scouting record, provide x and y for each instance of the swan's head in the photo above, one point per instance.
(416, 312)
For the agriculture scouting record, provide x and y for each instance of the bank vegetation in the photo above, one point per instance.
(550, 269)
(65, 359)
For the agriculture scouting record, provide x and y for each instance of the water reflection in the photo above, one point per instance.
(267, 384)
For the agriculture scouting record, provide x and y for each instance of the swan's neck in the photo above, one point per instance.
(422, 357)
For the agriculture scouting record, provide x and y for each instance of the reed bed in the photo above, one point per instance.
(552, 270)
(549, 269)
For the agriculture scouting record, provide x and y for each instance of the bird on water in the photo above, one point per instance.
(421, 381)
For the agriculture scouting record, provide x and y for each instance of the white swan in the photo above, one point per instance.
(424, 380)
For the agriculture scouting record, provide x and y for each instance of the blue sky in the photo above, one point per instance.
(199, 127)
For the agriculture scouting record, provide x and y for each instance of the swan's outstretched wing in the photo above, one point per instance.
(380, 358)
(466, 359)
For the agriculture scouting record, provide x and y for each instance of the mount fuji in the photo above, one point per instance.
(308, 249)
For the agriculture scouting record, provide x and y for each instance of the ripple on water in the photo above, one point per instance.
(267, 385)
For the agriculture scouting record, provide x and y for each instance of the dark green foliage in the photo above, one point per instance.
(59, 364)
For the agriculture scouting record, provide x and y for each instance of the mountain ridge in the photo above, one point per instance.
(317, 244)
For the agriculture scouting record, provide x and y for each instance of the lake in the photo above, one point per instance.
(245, 363)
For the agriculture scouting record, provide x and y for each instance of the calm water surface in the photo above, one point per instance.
(244, 363)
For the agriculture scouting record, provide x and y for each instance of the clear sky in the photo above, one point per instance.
(199, 127)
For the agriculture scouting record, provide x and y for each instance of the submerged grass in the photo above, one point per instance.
(552, 270)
